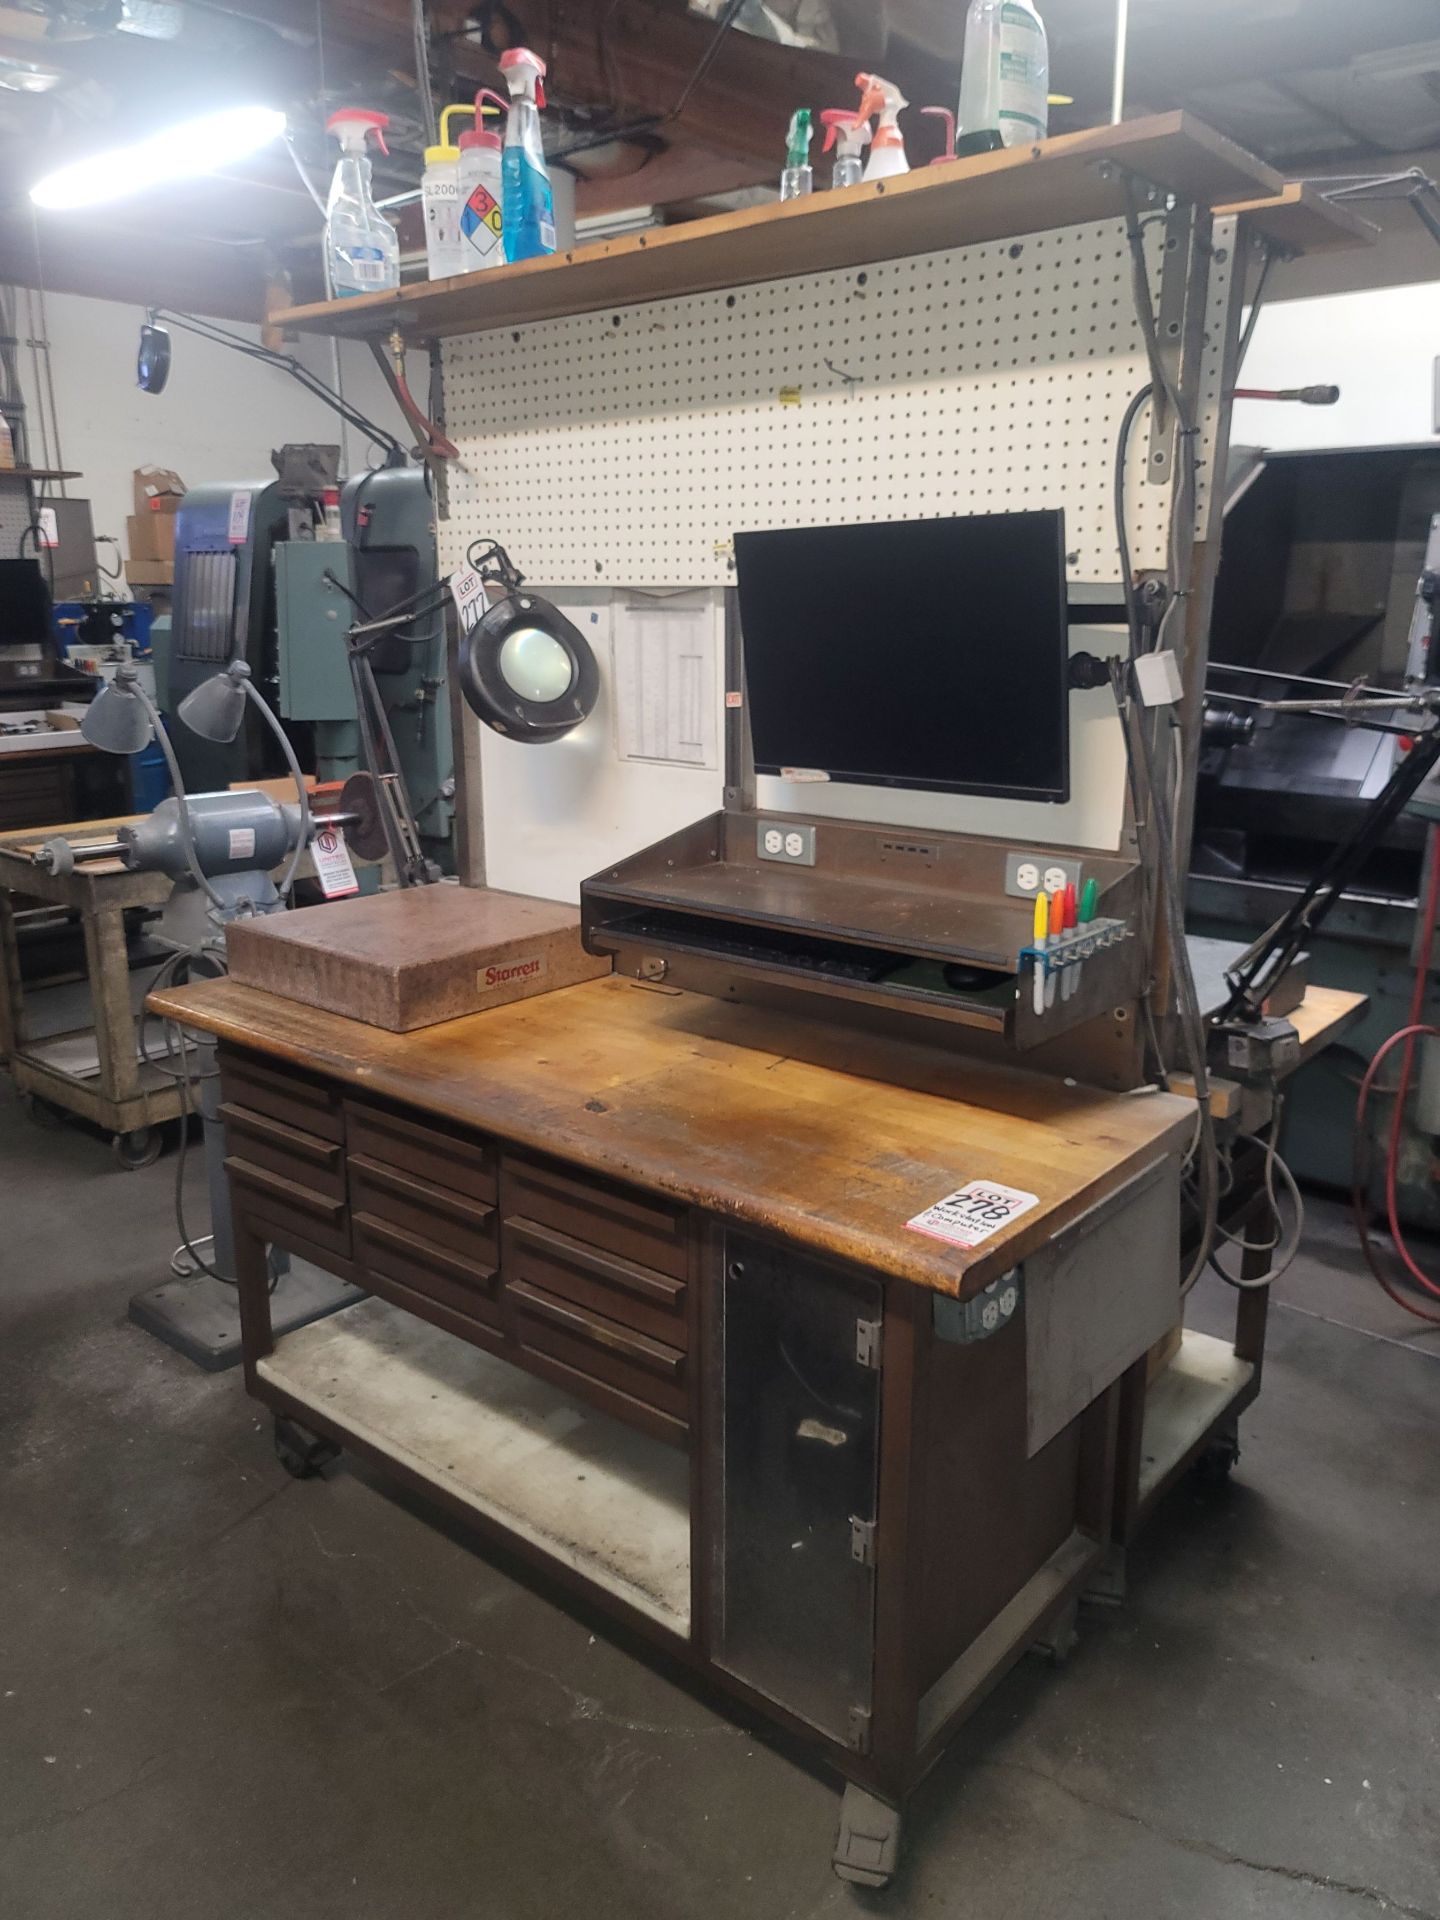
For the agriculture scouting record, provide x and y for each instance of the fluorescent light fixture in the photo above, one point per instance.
(183, 152)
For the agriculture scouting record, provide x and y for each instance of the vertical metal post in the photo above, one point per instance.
(469, 822)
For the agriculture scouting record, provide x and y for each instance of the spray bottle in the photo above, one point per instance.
(362, 249)
(440, 196)
(482, 190)
(848, 133)
(798, 179)
(887, 151)
(529, 204)
(1004, 76)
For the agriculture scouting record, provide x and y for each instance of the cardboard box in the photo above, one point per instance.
(414, 957)
(150, 573)
(150, 536)
(157, 490)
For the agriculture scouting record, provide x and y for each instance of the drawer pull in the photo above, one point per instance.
(406, 1187)
(608, 1266)
(287, 1191)
(410, 1246)
(645, 1352)
(324, 1153)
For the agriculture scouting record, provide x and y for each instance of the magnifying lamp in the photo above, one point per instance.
(216, 710)
(525, 669)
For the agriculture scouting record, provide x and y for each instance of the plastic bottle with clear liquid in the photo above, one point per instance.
(362, 249)
(1004, 76)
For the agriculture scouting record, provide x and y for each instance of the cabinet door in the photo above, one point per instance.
(799, 1405)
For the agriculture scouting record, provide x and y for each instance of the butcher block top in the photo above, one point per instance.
(825, 1137)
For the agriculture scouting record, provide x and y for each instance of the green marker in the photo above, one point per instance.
(1089, 901)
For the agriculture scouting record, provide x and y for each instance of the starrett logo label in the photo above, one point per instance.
(513, 971)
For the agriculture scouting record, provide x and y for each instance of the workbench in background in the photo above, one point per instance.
(90, 1063)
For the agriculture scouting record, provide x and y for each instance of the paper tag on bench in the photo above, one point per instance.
(973, 1213)
(332, 863)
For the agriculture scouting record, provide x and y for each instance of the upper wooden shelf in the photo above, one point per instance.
(38, 473)
(994, 196)
(1300, 220)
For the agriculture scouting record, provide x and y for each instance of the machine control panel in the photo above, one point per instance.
(784, 840)
(1027, 874)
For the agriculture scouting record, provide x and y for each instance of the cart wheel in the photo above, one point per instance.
(1214, 1464)
(42, 1113)
(867, 1847)
(139, 1149)
(304, 1455)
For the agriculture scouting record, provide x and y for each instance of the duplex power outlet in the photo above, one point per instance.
(783, 840)
(1027, 874)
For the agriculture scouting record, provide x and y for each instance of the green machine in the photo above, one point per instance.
(276, 573)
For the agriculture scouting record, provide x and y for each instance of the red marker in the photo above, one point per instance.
(1057, 927)
(1072, 921)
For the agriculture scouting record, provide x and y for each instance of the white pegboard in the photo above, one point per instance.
(16, 515)
(625, 447)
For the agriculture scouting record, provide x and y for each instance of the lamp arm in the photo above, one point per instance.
(182, 810)
(303, 841)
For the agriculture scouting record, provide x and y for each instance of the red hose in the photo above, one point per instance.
(1414, 1029)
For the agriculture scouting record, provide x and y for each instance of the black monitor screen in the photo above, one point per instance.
(918, 653)
(24, 602)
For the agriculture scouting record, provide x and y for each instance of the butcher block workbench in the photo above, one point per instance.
(644, 1307)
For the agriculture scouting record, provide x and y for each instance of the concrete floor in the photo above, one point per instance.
(223, 1693)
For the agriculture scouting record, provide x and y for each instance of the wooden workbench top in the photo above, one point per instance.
(829, 1138)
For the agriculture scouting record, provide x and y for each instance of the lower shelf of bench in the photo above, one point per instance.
(1198, 1387)
(604, 1500)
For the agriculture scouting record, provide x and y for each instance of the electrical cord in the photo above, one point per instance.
(1270, 253)
(1283, 1246)
(42, 548)
(1415, 1028)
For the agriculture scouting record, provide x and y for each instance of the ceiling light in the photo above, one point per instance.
(183, 152)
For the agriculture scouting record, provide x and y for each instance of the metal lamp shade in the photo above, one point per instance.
(216, 708)
(116, 721)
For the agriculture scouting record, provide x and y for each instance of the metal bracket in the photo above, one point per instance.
(857, 1730)
(862, 1541)
(1170, 333)
(867, 1344)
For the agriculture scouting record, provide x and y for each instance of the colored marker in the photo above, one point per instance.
(1057, 927)
(1042, 931)
(1089, 901)
(1072, 921)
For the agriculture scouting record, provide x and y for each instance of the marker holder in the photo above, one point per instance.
(1064, 950)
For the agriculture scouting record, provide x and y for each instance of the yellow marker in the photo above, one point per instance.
(1042, 933)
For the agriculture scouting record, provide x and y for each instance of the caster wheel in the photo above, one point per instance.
(304, 1455)
(1214, 1465)
(139, 1149)
(42, 1113)
(867, 1847)
(1060, 1639)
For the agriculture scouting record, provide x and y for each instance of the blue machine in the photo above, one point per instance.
(253, 582)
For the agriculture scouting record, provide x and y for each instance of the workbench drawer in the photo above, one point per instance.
(399, 1263)
(639, 1380)
(459, 1162)
(274, 1146)
(280, 1093)
(288, 1207)
(652, 1233)
(647, 1303)
(403, 1200)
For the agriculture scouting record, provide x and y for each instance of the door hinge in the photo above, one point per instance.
(862, 1540)
(867, 1343)
(857, 1730)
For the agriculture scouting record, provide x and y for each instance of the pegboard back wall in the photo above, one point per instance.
(626, 447)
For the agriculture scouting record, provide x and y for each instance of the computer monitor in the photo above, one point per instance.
(911, 653)
(24, 603)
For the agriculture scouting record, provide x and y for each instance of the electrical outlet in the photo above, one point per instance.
(783, 840)
(1027, 874)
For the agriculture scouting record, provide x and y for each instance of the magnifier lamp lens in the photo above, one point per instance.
(534, 665)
